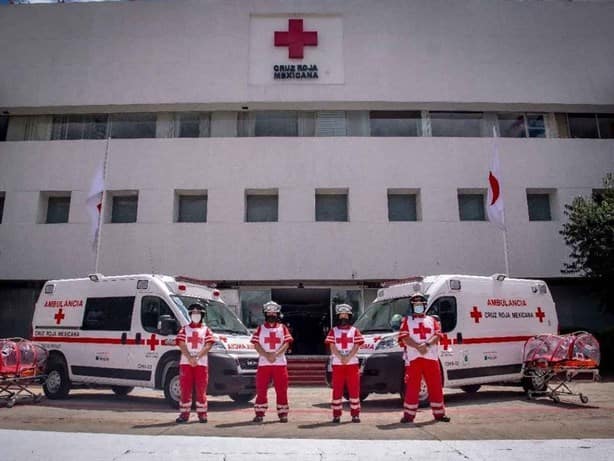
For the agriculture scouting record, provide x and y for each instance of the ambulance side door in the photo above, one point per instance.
(445, 307)
(150, 343)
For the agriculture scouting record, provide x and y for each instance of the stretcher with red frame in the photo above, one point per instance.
(22, 364)
(553, 362)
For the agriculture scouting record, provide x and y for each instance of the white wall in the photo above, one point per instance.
(197, 52)
(296, 247)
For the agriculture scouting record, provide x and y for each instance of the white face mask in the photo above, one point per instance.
(419, 309)
(196, 318)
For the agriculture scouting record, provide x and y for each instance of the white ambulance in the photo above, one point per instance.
(119, 332)
(485, 323)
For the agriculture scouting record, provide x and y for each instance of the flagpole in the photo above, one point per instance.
(102, 204)
(506, 253)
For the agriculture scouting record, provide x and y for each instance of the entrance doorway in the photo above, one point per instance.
(307, 314)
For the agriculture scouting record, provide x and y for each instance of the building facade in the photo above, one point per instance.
(303, 151)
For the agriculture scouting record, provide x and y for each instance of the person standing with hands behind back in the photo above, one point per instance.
(194, 340)
(419, 334)
(344, 341)
(271, 341)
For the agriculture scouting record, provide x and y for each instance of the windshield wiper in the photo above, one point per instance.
(376, 330)
(228, 330)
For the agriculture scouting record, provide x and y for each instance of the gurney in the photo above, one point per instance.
(22, 364)
(553, 362)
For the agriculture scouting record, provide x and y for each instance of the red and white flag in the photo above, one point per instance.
(94, 203)
(496, 214)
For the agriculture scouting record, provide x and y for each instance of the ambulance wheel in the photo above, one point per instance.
(122, 390)
(57, 384)
(172, 390)
(471, 388)
(242, 398)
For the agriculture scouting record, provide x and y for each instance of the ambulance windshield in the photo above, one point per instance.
(383, 316)
(219, 318)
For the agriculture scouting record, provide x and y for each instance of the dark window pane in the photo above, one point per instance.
(445, 308)
(152, 308)
(582, 126)
(261, 208)
(456, 124)
(1, 207)
(402, 207)
(394, 123)
(4, 127)
(95, 126)
(57, 210)
(471, 207)
(128, 126)
(124, 209)
(331, 207)
(189, 125)
(536, 126)
(192, 208)
(276, 123)
(539, 207)
(511, 126)
(606, 126)
(114, 314)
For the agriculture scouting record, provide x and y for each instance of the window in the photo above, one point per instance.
(4, 127)
(539, 206)
(1, 206)
(395, 123)
(471, 206)
(261, 205)
(606, 126)
(456, 124)
(192, 125)
(138, 125)
(152, 308)
(519, 125)
(79, 126)
(331, 205)
(113, 314)
(251, 306)
(57, 209)
(124, 207)
(192, 207)
(583, 126)
(276, 123)
(445, 309)
(402, 206)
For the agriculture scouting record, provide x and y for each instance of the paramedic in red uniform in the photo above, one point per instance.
(271, 340)
(419, 334)
(194, 340)
(344, 341)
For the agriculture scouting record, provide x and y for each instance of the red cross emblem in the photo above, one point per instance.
(296, 39)
(152, 342)
(59, 316)
(344, 340)
(422, 331)
(273, 340)
(476, 314)
(194, 340)
(540, 314)
(445, 341)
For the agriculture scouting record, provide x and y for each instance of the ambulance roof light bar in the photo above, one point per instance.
(95, 277)
(415, 278)
(498, 277)
(186, 279)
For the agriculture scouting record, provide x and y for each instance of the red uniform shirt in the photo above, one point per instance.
(420, 329)
(344, 338)
(195, 337)
(271, 337)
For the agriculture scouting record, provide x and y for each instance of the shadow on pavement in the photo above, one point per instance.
(166, 424)
(245, 424)
(323, 424)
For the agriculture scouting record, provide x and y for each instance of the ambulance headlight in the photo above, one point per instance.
(218, 346)
(387, 343)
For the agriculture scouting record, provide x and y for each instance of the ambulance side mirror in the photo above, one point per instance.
(167, 325)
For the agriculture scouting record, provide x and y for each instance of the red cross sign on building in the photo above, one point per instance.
(344, 340)
(194, 340)
(273, 340)
(152, 342)
(421, 330)
(476, 314)
(296, 39)
(540, 314)
(59, 316)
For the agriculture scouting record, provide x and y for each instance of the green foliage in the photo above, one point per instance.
(589, 232)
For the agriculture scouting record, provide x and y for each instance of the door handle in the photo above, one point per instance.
(138, 338)
(459, 338)
(124, 338)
